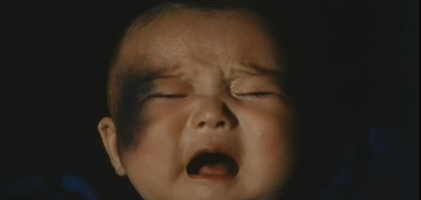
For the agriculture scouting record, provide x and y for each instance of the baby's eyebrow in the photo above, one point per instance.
(144, 80)
(140, 80)
(146, 68)
(254, 70)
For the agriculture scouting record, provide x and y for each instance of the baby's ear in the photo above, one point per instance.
(109, 138)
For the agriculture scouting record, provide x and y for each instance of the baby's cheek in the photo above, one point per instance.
(274, 156)
(163, 120)
(267, 144)
(156, 157)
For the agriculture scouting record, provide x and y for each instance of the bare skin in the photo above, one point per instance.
(214, 95)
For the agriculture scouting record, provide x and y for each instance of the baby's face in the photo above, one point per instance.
(216, 123)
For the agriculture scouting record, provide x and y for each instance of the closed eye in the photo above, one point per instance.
(167, 96)
(161, 96)
(262, 95)
(254, 94)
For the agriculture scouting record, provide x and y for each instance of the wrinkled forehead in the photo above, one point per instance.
(231, 36)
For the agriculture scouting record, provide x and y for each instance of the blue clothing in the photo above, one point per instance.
(385, 167)
(21, 181)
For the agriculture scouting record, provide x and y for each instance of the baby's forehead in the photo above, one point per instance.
(228, 35)
(172, 21)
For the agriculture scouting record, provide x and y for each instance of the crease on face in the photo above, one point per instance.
(144, 41)
(210, 52)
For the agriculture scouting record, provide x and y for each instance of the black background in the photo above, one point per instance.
(54, 59)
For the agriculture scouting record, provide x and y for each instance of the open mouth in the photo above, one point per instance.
(213, 164)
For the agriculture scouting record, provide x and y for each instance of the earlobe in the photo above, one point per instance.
(109, 139)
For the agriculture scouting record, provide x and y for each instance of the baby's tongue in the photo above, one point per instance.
(214, 169)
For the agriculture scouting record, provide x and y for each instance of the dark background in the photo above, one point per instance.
(54, 59)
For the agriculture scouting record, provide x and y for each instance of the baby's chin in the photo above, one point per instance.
(210, 171)
(212, 193)
(216, 181)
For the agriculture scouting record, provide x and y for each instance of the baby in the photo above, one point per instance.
(198, 108)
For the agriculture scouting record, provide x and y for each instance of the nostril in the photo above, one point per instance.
(202, 124)
(220, 124)
(212, 113)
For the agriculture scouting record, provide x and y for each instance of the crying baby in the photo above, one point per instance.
(198, 109)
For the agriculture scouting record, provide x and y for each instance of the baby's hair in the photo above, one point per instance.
(118, 80)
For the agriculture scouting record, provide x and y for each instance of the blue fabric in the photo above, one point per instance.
(385, 166)
(77, 185)
(21, 185)
(21, 181)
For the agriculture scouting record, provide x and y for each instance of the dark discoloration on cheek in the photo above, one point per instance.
(129, 119)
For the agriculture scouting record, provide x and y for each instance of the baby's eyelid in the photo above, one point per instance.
(169, 95)
(253, 93)
(261, 95)
(163, 95)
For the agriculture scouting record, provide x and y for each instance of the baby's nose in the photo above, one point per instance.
(212, 114)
